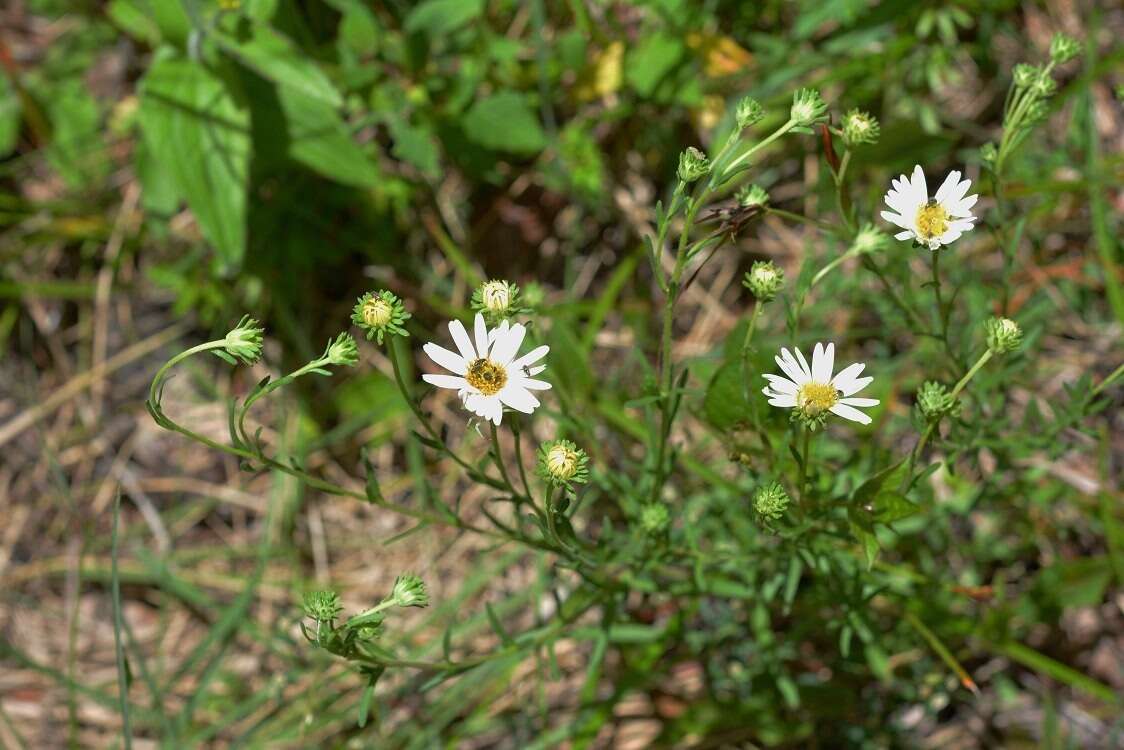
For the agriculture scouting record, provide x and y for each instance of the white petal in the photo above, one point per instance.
(781, 385)
(481, 331)
(897, 220)
(461, 339)
(823, 359)
(950, 235)
(507, 344)
(962, 207)
(532, 371)
(920, 188)
(846, 379)
(783, 400)
(446, 381)
(850, 412)
(532, 356)
(531, 384)
(447, 359)
(495, 411)
(948, 188)
(803, 363)
(903, 235)
(860, 401)
(787, 364)
(518, 398)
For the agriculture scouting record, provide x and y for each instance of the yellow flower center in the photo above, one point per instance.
(377, 312)
(932, 220)
(562, 461)
(816, 398)
(486, 376)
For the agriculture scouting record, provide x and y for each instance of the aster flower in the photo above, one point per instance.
(931, 222)
(487, 374)
(813, 392)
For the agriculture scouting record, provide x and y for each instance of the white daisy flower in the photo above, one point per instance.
(488, 375)
(813, 391)
(932, 222)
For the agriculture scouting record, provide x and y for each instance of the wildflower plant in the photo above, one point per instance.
(643, 513)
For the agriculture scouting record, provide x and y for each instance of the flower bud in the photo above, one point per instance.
(1063, 48)
(808, 108)
(1045, 85)
(244, 341)
(497, 300)
(409, 591)
(764, 280)
(750, 196)
(770, 502)
(1025, 75)
(859, 127)
(1003, 335)
(693, 164)
(749, 112)
(342, 352)
(562, 463)
(934, 401)
(322, 606)
(989, 152)
(380, 313)
(868, 240)
(654, 518)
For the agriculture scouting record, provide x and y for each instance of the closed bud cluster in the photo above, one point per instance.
(497, 300)
(1063, 48)
(561, 463)
(693, 164)
(859, 127)
(380, 313)
(1025, 75)
(808, 108)
(751, 196)
(934, 401)
(989, 152)
(1003, 335)
(244, 341)
(764, 280)
(322, 606)
(342, 352)
(409, 591)
(1045, 85)
(770, 502)
(654, 518)
(868, 240)
(749, 112)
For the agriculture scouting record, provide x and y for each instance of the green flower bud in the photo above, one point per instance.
(562, 463)
(1025, 75)
(1003, 335)
(244, 341)
(409, 591)
(654, 518)
(989, 152)
(342, 352)
(934, 401)
(749, 112)
(808, 108)
(770, 502)
(859, 127)
(764, 280)
(497, 300)
(868, 240)
(1045, 85)
(380, 313)
(1036, 112)
(750, 196)
(1063, 48)
(533, 295)
(322, 606)
(693, 164)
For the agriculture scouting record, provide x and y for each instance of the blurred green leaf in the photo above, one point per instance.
(195, 130)
(274, 57)
(437, 17)
(725, 405)
(504, 122)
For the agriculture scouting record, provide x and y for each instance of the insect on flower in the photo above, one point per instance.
(488, 376)
(932, 221)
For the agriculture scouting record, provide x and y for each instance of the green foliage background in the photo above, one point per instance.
(323, 149)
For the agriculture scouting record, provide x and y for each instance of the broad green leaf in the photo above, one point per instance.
(135, 19)
(320, 139)
(196, 131)
(651, 61)
(437, 17)
(416, 146)
(725, 404)
(504, 122)
(276, 58)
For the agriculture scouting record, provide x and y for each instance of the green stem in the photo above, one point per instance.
(869, 263)
(754, 149)
(828, 268)
(804, 453)
(942, 310)
(1109, 380)
(750, 328)
(968, 375)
